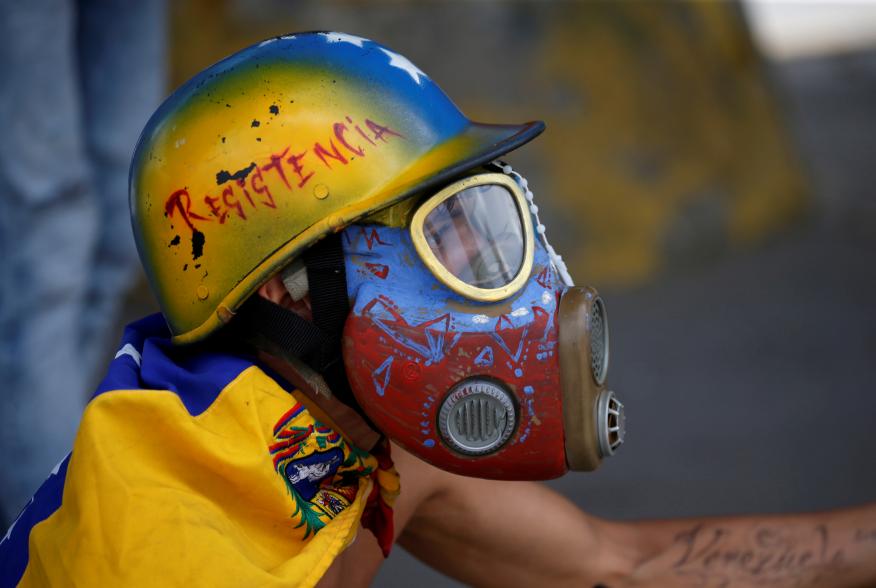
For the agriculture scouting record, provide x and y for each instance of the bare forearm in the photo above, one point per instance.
(832, 549)
(509, 534)
(521, 534)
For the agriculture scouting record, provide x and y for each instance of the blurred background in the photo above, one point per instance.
(707, 166)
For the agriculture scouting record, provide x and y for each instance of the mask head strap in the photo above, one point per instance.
(317, 343)
(327, 281)
(330, 305)
(282, 327)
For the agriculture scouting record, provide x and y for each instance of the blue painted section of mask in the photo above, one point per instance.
(382, 262)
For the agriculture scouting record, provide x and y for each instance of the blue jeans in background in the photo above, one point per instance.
(79, 81)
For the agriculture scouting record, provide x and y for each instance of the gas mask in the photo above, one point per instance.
(467, 343)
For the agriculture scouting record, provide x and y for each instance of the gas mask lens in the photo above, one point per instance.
(476, 237)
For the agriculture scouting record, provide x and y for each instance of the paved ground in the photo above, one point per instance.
(751, 383)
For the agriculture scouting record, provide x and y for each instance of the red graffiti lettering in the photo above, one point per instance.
(295, 161)
(340, 129)
(380, 130)
(277, 163)
(262, 188)
(182, 202)
(227, 199)
(242, 183)
(322, 153)
(213, 205)
(360, 131)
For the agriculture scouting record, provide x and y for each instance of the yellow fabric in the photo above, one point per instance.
(155, 496)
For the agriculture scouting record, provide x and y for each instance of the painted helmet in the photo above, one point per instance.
(262, 154)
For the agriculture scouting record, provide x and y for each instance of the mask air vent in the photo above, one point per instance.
(611, 423)
(598, 341)
(477, 417)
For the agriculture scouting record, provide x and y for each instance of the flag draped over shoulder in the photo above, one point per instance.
(195, 467)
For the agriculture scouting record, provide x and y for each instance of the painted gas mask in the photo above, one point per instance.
(467, 343)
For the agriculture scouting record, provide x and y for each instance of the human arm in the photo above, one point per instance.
(488, 533)
(830, 549)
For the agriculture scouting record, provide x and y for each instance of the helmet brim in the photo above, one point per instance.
(476, 145)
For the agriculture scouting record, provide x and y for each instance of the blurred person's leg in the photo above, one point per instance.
(47, 233)
(81, 81)
(122, 48)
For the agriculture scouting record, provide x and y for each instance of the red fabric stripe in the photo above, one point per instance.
(281, 456)
(290, 414)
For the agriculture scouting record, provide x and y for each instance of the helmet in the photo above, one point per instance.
(260, 155)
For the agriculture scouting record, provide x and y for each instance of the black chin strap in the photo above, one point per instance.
(329, 304)
(327, 282)
(317, 343)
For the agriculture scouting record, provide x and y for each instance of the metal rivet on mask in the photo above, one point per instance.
(321, 191)
(203, 292)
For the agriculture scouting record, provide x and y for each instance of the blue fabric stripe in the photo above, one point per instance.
(197, 376)
(14, 546)
(124, 372)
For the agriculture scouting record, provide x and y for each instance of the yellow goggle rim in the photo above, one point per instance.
(442, 273)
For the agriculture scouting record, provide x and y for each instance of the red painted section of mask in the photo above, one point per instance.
(382, 352)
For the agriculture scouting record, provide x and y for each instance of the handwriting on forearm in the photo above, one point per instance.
(865, 536)
(764, 555)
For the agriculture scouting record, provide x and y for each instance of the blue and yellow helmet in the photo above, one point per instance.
(258, 156)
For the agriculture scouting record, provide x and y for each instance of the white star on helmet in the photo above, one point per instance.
(343, 38)
(275, 39)
(402, 62)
